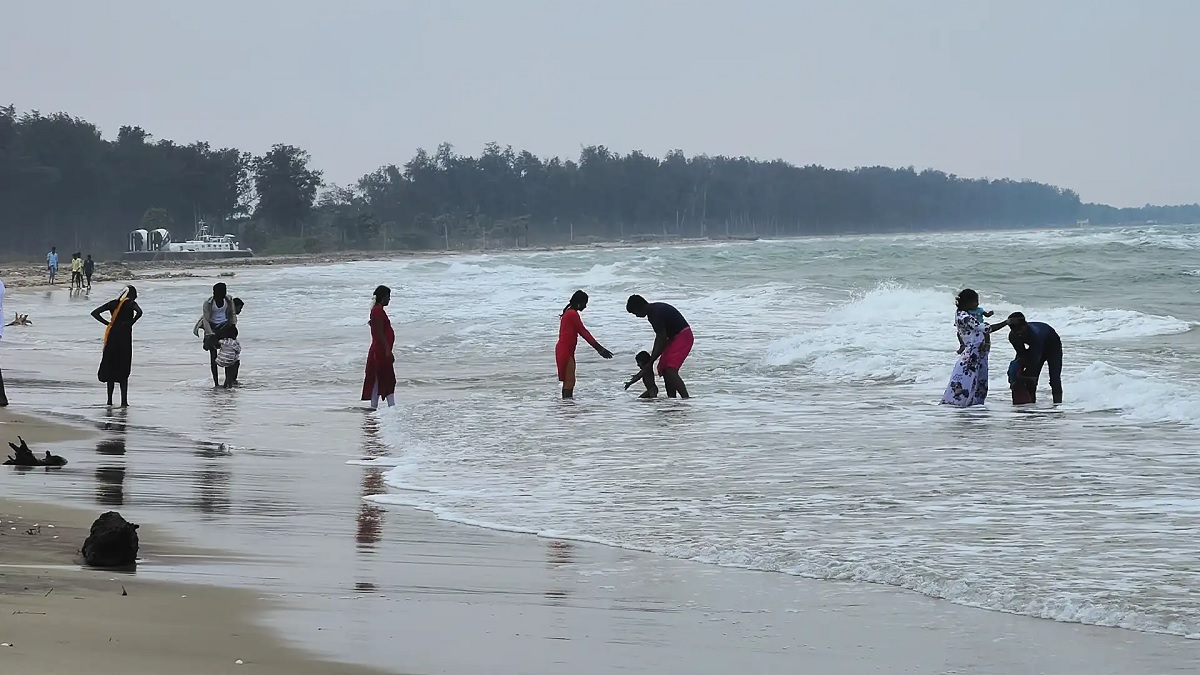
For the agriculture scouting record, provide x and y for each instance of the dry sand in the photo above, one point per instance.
(61, 618)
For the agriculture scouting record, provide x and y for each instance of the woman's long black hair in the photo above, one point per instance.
(380, 291)
(965, 298)
(578, 299)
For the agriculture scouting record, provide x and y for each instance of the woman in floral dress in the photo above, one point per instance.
(969, 382)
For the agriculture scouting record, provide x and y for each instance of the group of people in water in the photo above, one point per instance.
(1037, 346)
(672, 344)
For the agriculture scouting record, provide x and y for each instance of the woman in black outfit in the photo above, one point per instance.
(117, 359)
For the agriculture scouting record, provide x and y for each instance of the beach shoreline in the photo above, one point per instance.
(60, 615)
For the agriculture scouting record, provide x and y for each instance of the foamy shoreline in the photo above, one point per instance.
(526, 604)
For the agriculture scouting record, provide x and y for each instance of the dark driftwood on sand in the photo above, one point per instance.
(113, 542)
(25, 457)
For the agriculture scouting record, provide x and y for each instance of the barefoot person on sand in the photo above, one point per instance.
(117, 358)
(672, 342)
(570, 329)
(380, 378)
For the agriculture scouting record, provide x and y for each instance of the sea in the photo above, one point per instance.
(814, 444)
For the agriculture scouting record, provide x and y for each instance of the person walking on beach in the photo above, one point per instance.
(89, 266)
(76, 271)
(380, 378)
(117, 358)
(570, 329)
(969, 381)
(3, 397)
(217, 314)
(52, 263)
(1037, 344)
(673, 341)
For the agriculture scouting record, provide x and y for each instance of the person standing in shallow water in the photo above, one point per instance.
(218, 314)
(570, 329)
(117, 359)
(969, 381)
(380, 378)
(672, 343)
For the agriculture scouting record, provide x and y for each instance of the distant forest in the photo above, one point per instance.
(62, 184)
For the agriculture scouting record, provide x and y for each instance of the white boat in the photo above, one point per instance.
(157, 245)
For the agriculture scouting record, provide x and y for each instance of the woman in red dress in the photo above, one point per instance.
(380, 380)
(570, 329)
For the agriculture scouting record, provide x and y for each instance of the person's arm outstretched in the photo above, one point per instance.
(582, 331)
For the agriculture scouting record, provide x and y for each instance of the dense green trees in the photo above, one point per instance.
(62, 184)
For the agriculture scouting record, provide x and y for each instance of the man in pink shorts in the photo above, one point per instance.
(672, 342)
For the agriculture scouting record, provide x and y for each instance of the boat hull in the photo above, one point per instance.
(185, 255)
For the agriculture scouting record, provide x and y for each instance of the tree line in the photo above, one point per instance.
(63, 184)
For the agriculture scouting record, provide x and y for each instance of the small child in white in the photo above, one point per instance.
(229, 356)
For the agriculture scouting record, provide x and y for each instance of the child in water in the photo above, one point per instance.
(229, 355)
(1020, 383)
(979, 313)
(642, 359)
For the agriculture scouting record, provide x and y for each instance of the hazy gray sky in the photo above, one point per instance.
(1100, 96)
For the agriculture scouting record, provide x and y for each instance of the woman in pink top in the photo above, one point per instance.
(570, 328)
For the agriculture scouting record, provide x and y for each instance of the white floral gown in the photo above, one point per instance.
(969, 383)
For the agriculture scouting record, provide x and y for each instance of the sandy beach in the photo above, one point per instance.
(60, 617)
(284, 479)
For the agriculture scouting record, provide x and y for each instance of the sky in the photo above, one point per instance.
(1099, 96)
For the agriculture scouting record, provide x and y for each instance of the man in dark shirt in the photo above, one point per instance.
(89, 266)
(672, 343)
(1037, 344)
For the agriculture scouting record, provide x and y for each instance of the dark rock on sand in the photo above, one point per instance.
(113, 542)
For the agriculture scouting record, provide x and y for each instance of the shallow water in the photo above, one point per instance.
(814, 445)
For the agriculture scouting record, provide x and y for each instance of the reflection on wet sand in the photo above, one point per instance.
(559, 554)
(370, 517)
(213, 491)
(110, 486)
(110, 478)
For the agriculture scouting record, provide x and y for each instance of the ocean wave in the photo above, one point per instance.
(897, 333)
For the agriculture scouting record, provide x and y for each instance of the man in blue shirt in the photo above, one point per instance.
(673, 342)
(52, 262)
(1037, 344)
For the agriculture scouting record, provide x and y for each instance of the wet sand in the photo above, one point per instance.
(60, 617)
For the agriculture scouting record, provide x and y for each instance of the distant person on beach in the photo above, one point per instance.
(645, 374)
(380, 378)
(673, 341)
(570, 329)
(3, 397)
(117, 359)
(1037, 344)
(217, 314)
(89, 267)
(52, 263)
(76, 271)
(969, 381)
(229, 356)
